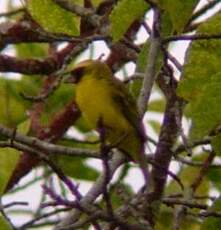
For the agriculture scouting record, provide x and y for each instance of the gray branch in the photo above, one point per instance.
(92, 194)
(150, 71)
(20, 141)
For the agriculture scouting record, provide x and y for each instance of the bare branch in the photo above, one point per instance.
(187, 203)
(12, 13)
(206, 164)
(87, 13)
(150, 71)
(192, 37)
(93, 193)
(40, 217)
(35, 143)
(203, 10)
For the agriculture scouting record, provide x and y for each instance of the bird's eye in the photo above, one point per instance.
(78, 73)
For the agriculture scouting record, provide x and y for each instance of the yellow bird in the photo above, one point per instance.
(101, 97)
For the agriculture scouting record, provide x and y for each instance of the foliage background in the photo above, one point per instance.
(39, 66)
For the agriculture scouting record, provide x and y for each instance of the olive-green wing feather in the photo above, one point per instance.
(127, 106)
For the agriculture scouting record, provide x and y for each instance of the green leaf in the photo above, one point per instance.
(202, 61)
(56, 102)
(155, 125)
(166, 220)
(205, 109)
(8, 161)
(24, 127)
(213, 223)
(82, 125)
(53, 18)
(124, 14)
(167, 25)
(124, 189)
(96, 2)
(136, 85)
(4, 225)
(214, 175)
(201, 81)
(31, 50)
(142, 58)
(216, 144)
(28, 86)
(91, 142)
(13, 110)
(76, 168)
(10, 156)
(157, 105)
(179, 11)
(187, 176)
(142, 62)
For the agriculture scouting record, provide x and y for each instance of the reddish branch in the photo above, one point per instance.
(35, 66)
(22, 31)
(28, 66)
(60, 122)
(58, 126)
(121, 52)
(167, 139)
(12, 33)
(206, 165)
(163, 155)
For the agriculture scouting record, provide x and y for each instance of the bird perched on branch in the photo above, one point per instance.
(101, 97)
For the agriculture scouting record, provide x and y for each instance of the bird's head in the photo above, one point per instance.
(94, 68)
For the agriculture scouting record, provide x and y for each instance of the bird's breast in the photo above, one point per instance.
(95, 100)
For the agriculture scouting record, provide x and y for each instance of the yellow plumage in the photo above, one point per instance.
(101, 97)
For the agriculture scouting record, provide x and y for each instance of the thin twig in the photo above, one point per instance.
(183, 136)
(93, 193)
(195, 163)
(194, 144)
(198, 180)
(205, 214)
(203, 10)
(12, 13)
(44, 95)
(168, 172)
(168, 56)
(40, 217)
(189, 204)
(15, 203)
(191, 37)
(104, 153)
(29, 183)
(2, 212)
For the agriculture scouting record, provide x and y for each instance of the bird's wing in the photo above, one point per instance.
(127, 105)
